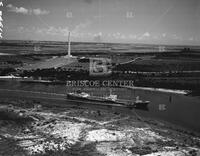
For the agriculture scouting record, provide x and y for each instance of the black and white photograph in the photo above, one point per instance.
(99, 77)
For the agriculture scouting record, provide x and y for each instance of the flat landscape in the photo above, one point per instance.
(175, 67)
(36, 119)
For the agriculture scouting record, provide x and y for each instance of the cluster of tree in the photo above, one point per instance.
(53, 74)
(169, 84)
(7, 71)
(161, 68)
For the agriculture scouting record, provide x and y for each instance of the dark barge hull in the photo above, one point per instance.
(102, 101)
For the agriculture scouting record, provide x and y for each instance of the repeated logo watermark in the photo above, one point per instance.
(69, 14)
(1, 19)
(100, 67)
(129, 14)
(161, 49)
(162, 107)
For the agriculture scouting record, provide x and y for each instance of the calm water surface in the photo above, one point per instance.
(174, 108)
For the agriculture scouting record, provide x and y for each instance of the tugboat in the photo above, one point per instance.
(109, 100)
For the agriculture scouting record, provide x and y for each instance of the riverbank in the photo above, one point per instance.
(174, 91)
(45, 129)
(31, 80)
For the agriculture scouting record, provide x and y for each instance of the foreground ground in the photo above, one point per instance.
(34, 128)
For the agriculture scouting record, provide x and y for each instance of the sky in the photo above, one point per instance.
(121, 21)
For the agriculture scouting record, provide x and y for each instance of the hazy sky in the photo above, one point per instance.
(132, 21)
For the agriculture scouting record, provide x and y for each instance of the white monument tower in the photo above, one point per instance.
(69, 47)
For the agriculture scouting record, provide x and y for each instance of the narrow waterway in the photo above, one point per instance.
(178, 109)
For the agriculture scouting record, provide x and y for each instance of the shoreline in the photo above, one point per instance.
(29, 80)
(183, 92)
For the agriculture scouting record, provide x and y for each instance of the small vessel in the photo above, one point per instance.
(106, 100)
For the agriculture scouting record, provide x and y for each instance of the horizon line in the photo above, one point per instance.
(162, 44)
